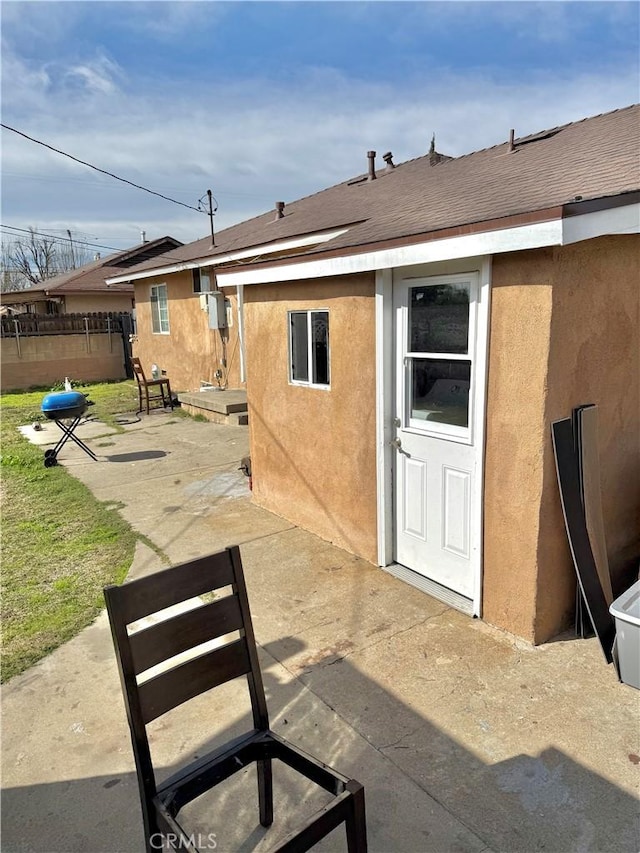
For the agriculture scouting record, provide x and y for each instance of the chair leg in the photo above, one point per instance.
(265, 791)
(356, 823)
(151, 830)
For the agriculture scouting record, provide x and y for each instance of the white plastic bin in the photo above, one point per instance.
(626, 612)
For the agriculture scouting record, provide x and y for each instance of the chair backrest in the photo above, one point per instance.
(138, 371)
(137, 651)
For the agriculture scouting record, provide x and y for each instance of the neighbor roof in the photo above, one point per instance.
(91, 277)
(590, 159)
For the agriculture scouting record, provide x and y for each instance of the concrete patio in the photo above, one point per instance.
(465, 738)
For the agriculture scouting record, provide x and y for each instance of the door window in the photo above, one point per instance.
(438, 360)
(439, 318)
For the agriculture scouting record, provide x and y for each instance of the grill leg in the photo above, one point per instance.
(68, 433)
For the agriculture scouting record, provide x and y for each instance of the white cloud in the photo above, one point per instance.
(166, 20)
(98, 76)
(545, 21)
(251, 141)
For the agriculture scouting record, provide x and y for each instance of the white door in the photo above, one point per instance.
(436, 485)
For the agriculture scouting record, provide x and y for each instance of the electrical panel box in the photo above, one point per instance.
(217, 310)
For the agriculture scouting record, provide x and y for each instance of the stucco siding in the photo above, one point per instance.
(93, 303)
(594, 358)
(313, 450)
(564, 332)
(191, 352)
(521, 310)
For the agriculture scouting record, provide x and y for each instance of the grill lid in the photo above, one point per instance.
(64, 404)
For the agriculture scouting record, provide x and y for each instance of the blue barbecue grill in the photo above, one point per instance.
(63, 406)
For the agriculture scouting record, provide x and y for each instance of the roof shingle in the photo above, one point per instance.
(592, 158)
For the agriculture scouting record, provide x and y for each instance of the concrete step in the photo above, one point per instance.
(223, 402)
(222, 407)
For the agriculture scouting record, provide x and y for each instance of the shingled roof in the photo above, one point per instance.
(586, 160)
(91, 277)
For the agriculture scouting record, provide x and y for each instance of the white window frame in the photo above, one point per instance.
(202, 274)
(309, 383)
(464, 435)
(156, 316)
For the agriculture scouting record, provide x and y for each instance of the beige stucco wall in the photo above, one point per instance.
(564, 331)
(312, 450)
(93, 303)
(521, 307)
(595, 358)
(47, 359)
(191, 352)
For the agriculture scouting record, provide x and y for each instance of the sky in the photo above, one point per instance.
(267, 101)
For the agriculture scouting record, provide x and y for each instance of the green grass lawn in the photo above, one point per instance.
(60, 545)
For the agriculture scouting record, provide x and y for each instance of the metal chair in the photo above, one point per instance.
(161, 386)
(146, 700)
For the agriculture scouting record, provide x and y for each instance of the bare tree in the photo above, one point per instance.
(10, 277)
(34, 258)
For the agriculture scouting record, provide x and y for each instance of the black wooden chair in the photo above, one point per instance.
(151, 389)
(146, 700)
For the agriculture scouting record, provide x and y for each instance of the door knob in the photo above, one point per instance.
(395, 442)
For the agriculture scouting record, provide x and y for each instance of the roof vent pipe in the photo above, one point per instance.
(372, 165)
(511, 147)
(143, 237)
(279, 209)
(388, 159)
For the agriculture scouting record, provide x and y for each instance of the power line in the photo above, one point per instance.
(58, 238)
(98, 169)
(56, 179)
(11, 228)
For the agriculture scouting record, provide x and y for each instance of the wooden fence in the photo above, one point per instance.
(27, 325)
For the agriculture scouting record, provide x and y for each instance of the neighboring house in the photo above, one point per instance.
(84, 290)
(408, 338)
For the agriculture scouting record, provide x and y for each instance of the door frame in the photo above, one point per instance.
(385, 396)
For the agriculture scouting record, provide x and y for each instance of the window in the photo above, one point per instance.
(309, 348)
(201, 281)
(159, 309)
(439, 356)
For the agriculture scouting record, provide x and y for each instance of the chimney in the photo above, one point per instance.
(279, 209)
(511, 147)
(372, 165)
(143, 237)
(388, 159)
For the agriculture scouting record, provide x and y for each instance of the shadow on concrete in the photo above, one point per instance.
(425, 791)
(137, 456)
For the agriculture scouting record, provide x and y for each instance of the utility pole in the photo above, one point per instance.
(210, 197)
(73, 260)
